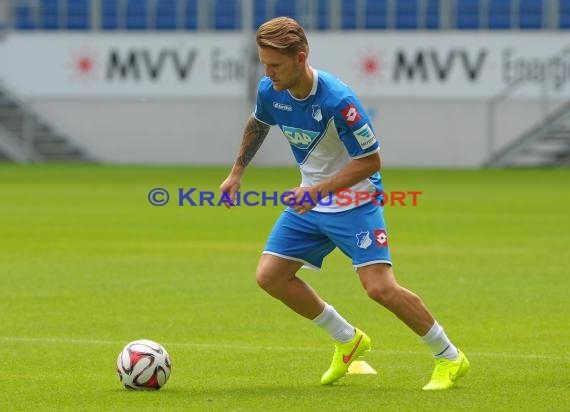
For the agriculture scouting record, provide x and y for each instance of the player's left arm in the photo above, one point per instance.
(356, 133)
(355, 171)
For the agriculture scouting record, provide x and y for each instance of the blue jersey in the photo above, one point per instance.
(326, 130)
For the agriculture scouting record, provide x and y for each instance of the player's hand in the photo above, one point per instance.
(301, 199)
(230, 187)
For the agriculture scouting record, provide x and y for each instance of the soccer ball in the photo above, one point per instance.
(143, 364)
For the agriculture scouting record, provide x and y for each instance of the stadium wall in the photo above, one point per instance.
(412, 133)
(185, 98)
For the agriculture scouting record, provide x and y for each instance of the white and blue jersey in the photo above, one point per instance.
(326, 130)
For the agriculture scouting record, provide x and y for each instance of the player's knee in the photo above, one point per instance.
(266, 281)
(262, 279)
(384, 295)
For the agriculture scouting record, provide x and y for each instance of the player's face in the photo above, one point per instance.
(284, 71)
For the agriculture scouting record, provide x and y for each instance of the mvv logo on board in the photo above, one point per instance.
(431, 64)
(139, 64)
(153, 65)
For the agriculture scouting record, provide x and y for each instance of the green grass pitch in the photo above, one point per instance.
(87, 265)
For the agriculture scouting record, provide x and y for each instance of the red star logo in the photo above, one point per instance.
(369, 66)
(83, 64)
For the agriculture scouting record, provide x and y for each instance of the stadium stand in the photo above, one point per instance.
(564, 19)
(323, 23)
(407, 14)
(468, 14)
(166, 12)
(376, 15)
(531, 14)
(136, 16)
(109, 15)
(191, 14)
(432, 15)
(349, 15)
(78, 15)
(317, 14)
(226, 15)
(24, 17)
(500, 16)
(50, 18)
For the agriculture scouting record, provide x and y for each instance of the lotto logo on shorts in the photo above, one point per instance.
(350, 114)
(381, 238)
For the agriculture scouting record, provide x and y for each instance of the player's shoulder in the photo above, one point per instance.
(336, 94)
(265, 85)
(333, 84)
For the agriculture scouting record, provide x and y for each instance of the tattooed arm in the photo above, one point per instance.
(254, 134)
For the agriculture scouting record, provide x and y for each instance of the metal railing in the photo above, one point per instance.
(20, 136)
(545, 105)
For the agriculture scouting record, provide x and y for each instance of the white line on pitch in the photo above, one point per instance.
(24, 339)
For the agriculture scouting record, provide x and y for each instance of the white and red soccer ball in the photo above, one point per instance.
(143, 364)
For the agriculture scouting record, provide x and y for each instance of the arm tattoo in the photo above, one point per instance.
(253, 136)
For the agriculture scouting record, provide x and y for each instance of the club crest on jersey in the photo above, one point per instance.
(317, 115)
(350, 114)
(363, 240)
(298, 137)
(365, 136)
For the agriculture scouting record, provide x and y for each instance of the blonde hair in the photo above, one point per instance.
(283, 34)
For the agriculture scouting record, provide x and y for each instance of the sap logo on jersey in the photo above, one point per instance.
(298, 137)
(365, 136)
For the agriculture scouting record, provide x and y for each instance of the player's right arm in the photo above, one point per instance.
(254, 134)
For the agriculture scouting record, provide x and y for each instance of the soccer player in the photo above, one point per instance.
(334, 144)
